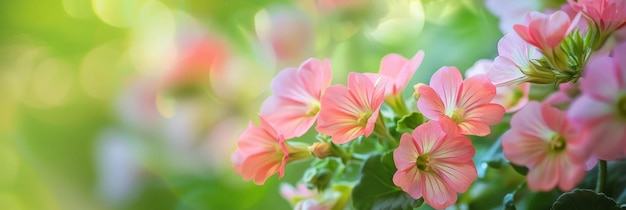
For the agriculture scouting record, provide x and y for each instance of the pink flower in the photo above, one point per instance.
(305, 199)
(545, 31)
(435, 162)
(287, 32)
(399, 70)
(349, 112)
(262, 152)
(512, 98)
(542, 139)
(602, 106)
(514, 58)
(467, 103)
(294, 107)
(608, 15)
(510, 12)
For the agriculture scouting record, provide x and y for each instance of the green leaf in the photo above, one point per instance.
(584, 199)
(376, 190)
(615, 181)
(409, 122)
(523, 170)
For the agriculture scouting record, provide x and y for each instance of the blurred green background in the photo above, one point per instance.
(137, 104)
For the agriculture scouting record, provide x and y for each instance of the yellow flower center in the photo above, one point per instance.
(557, 143)
(314, 108)
(457, 115)
(621, 107)
(423, 163)
(363, 117)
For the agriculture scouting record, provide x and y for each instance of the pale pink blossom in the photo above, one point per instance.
(545, 31)
(294, 107)
(262, 152)
(349, 112)
(607, 15)
(542, 139)
(565, 95)
(602, 106)
(466, 103)
(514, 58)
(399, 70)
(287, 32)
(511, 12)
(435, 162)
(512, 98)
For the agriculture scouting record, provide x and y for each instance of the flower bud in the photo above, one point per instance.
(416, 93)
(321, 149)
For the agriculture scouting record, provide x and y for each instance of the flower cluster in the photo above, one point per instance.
(427, 137)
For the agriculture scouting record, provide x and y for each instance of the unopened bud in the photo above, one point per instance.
(321, 149)
(416, 93)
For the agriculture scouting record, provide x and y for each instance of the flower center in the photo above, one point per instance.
(423, 163)
(314, 108)
(363, 117)
(457, 115)
(557, 143)
(621, 107)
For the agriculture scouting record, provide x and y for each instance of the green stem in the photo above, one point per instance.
(397, 104)
(381, 131)
(601, 176)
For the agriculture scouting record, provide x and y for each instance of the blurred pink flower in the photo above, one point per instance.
(602, 106)
(306, 199)
(542, 139)
(435, 162)
(204, 58)
(294, 107)
(545, 31)
(512, 98)
(467, 103)
(566, 94)
(288, 32)
(511, 12)
(608, 15)
(337, 5)
(514, 58)
(262, 152)
(349, 112)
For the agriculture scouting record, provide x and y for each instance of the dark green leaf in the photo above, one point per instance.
(409, 122)
(523, 170)
(376, 190)
(584, 199)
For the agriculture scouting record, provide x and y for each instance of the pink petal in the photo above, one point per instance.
(523, 32)
(427, 137)
(406, 154)
(479, 68)
(446, 82)
(505, 71)
(436, 193)
(586, 110)
(556, 28)
(545, 175)
(430, 104)
(523, 149)
(619, 54)
(601, 81)
(410, 181)
(571, 173)
(489, 114)
(554, 118)
(456, 149)
(476, 90)
(474, 127)
(608, 139)
(529, 121)
(288, 116)
(458, 176)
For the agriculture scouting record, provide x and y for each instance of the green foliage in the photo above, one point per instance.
(376, 190)
(584, 199)
(409, 122)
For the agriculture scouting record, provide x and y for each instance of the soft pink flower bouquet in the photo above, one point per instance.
(416, 150)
